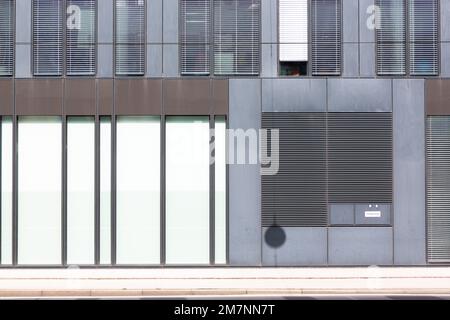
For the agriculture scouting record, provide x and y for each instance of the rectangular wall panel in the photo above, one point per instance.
(138, 190)
(80, 190)
(187, 190)
(40, 190)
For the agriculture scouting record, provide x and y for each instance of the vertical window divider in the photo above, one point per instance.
(212, 189)
(163, 190)
(64, 190)
(15, 192)
(1, 185)
(97, 191)
(113, 188)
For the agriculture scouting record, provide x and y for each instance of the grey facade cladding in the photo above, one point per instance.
(358, 89)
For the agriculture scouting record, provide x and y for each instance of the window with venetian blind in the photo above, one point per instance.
(55, 54)
(407, 40)
(6, 37)
(130, 37)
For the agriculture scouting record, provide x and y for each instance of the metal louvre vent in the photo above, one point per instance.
(81, 38)
(326, 37)
(423, 36)
(195, 36)
(6, 37)
(391, 38)
(237, 37)
(47, 37)
(438, 188)
(360, 157)
(130, 37)
(296, 196)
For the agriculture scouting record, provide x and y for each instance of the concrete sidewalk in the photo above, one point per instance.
(74, 282)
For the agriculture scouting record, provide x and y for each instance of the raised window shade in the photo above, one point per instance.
(6, 37)
(39, 190)
(326, 37)
(48, 19)
(187, 190)
(293, 30)
(138, 190)
(195, 36)
(81, 37)
(80, 190)
(237, 37)
(423, 37)
(130, 37)
(391, 38)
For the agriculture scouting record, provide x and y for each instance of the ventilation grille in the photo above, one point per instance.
(360, 157)
(296, 196)
(423, 33)
(130, 37)
(6, 37)
(236, 37)
(326, 37)
(47, 37)
(438, 188)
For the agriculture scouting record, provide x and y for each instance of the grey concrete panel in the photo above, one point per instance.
(342, 214)
(23, 21)
(245, 180)
(360, 246)
(350, 20)
(294, 95)
(359, 95)
(23, 61)
(269, 60)
(154, 21)
(373, 214)
(351, 60)
(303, 247)
(154, 60)
(105, 21)
(170, 21)
(445, 20)
(409, 172)
(170, 60)
(269, 21)
(445, 59)
(365, 34)
(367, 59)
(105, 61)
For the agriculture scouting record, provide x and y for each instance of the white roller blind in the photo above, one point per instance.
(130, 37)
(293, 21)
(326, 37)
(195, 36)
(47, 37)
(391, 38)
(237, 37)
(6, 37)
(423, 37)
(81, 34)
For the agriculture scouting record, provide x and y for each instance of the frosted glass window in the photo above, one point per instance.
(105, 190)
(80, 190)
(187, 190)
(220, 191)
(39, 198)
(6, 195)
(138, 190)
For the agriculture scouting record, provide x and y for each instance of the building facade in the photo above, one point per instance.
(108, 110)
